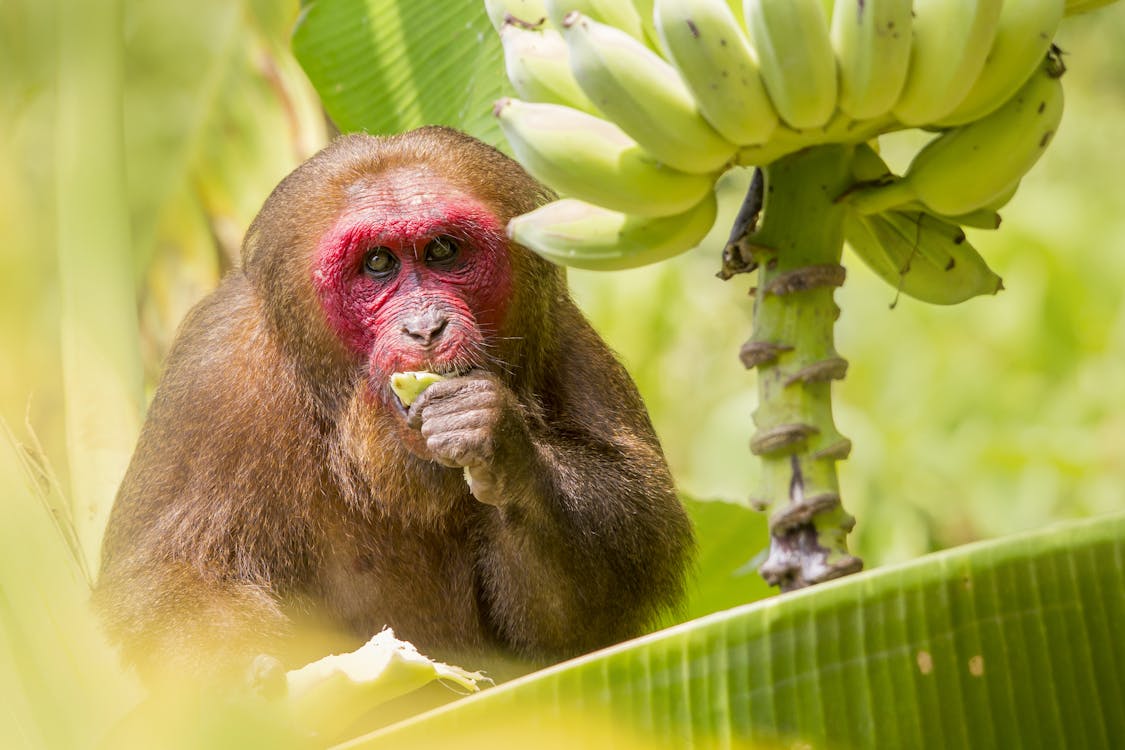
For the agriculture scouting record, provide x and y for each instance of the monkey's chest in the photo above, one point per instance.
(422, 585)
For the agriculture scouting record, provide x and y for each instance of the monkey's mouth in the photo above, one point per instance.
(448, 370)
(444, 371)
(403, 388)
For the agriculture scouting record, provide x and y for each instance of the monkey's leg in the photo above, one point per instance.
(175, 622)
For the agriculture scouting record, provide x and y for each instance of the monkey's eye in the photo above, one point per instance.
(442, 249)
(379, 262)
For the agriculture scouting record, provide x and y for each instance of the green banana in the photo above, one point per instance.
(577, 234)
(872, 40)
(532, 12)
(704, 41)
(982, 218)
(643, 94)
(538, 65)
(1004, 197)
(766, 153)
(1023, 37)
(951, 41)
(1074, 7)
(620, 14)
(868, 166)
(584, 156)
(644, 9)
(976, 165)
(795, 57)
(921, 256)
(408, 386)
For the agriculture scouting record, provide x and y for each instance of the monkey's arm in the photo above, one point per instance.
(586, 541)
(207, 522)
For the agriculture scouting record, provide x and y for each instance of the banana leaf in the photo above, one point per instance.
(1004, 644)
(731, 542)
(385, 66)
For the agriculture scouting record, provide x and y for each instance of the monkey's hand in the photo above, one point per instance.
(476, 422)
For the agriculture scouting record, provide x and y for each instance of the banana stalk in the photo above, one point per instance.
(797, 248)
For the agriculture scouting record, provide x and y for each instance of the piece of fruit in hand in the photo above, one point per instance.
(409, 385)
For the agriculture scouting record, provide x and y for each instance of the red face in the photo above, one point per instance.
(414, 275)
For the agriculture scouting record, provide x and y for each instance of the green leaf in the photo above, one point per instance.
(1012, 643)
(732, 541)
(175, 58)
(101, 367)
(385, 66)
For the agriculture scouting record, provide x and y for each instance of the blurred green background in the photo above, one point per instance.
(998, 415)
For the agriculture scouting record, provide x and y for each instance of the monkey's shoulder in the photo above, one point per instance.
(228, 324)
(227, 406)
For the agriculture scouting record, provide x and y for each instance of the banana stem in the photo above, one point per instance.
(797, 247)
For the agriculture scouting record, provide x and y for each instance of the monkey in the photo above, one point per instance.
(520, 507)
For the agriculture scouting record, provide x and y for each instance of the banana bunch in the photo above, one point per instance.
(632, 109)
(978, 165)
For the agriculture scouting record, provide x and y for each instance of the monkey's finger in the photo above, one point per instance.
(462, 387)
(414, 416)
(459, 448)
(427, 403)
(453, 398)
(432, 395)
(460, 419)
(470, 397)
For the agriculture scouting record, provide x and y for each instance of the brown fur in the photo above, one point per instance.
(269, 488)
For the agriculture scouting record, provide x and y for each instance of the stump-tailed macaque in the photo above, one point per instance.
(520, 506)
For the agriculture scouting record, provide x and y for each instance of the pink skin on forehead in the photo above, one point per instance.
(403, 212)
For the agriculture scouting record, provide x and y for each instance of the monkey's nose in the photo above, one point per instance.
(425, 327)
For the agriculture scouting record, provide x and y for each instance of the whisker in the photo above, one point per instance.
(479, 350)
